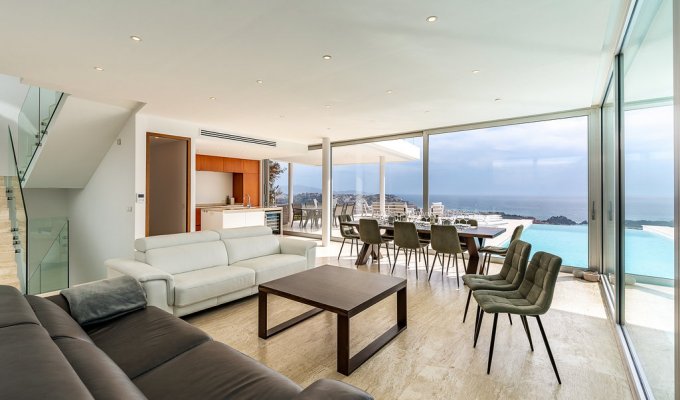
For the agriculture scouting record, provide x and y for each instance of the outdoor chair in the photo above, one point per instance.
(532, 299)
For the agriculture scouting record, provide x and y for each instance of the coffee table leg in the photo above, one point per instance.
(262, 315)
(343, 345)
(401, 309)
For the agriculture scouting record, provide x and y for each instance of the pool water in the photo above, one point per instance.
(646, 253)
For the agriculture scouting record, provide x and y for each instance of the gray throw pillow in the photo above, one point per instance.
(104, 300)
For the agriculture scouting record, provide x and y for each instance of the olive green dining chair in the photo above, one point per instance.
(509, 278)
(406, 238)
(531, 299)
(348, 232)
(369, 233)
(445, 241)
(497, 250)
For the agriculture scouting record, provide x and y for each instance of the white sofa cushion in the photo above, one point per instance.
(246, 248)
(142, 245)
(275, 266)
(194, 286)
(246, 231)
(187, 257)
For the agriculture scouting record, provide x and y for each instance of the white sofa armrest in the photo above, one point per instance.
(305, 248)
(158, 284)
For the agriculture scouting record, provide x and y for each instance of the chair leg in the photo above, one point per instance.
(455, 260)
(467, 304)
(480, 313)
(417, 257)
(378, 255)
(351, 246)
(394, 265)
(436, 255)
(481, 272)
(493, 339)
(547, 346)
(387, 248)
(526, 329)
(464, 263)
(510, 318)
(341, 246)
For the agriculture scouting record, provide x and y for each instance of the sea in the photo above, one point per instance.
(574, 208)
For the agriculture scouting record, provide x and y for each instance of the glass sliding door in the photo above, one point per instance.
(305, 174)
(359, 185)
(648, 193)
(610, 188)
(532, 174)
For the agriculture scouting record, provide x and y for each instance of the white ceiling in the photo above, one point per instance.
(538, 56)
(365, 153)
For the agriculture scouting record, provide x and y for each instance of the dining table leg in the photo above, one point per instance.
(473, 256)
(367, 250)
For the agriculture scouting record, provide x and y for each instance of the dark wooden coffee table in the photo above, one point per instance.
(343, 291)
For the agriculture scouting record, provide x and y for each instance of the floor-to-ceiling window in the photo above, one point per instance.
(534, 174)
(305, 174)
(647, 192)
(358, 182)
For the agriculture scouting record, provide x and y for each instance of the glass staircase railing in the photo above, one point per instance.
(18, 221)
(48, 257)
(34, 119)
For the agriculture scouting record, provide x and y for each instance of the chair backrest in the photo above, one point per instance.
(471, 222)
(369, 231)
(349, 210)
(338, 210)
(346, 231)
(444, 239)
(539, 281)
(517, 233)
(515, 264)
(406, 235)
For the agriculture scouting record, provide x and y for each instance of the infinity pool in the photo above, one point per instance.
(646, 253)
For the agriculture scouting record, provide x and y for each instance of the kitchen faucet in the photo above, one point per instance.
(248, 204)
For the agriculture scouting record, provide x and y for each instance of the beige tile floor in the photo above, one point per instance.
(433, 358)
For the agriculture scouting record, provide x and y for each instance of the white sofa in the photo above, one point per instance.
(188, 272)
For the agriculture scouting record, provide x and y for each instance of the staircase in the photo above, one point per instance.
(9, 239)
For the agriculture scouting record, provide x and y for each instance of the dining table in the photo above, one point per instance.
(472, 236)
(307, 213)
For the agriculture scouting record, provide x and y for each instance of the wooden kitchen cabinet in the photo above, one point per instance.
(251, 166)
(198, 219)
(208, 163)
(234, 165)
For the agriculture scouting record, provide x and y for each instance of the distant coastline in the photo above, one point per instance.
(558, 219)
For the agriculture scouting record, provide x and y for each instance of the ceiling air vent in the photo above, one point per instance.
(237, 138)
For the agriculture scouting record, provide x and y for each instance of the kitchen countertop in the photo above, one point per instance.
(237, 208)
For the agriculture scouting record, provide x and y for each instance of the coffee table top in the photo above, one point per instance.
(340, 290)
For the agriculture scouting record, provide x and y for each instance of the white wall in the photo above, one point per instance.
(12, 95)
(47, 203)
(102, 218)
(213, 187)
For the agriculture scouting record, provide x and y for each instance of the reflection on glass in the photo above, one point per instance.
(358, 183)
(533, 174)
(609, 218)
(648, 193)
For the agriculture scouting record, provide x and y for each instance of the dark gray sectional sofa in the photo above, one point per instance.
(147, 353)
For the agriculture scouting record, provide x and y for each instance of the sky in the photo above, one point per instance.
(547, 158)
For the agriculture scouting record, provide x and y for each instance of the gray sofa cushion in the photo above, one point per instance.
(246, 248)
(14, 309)
(232, 375)
(145, 339)
(328, 389)
(207, 283)
(56, 321)
(103, 300)
(275, 266)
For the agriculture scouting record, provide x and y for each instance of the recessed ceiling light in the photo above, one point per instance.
(327, 106)
(136, 38)
(475, 71)
(259, 81)
(98, 68)
(212, 98)
(427, 111)
(431, 18)
(327, 57)
(389, 92)
(497, 99)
